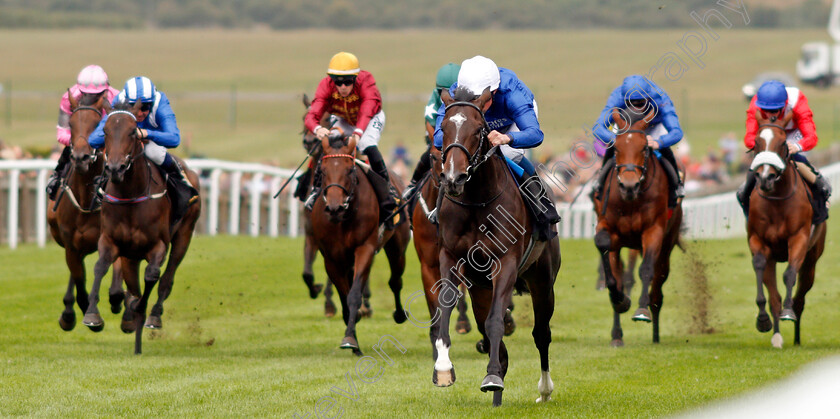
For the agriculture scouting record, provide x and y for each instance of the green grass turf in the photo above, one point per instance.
(242, 338)
(570, 72)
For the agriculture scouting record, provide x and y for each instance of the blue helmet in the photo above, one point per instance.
(635, 87)
(139, 88)
(771, 95)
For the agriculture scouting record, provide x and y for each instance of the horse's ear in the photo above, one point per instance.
(760, 119)
(445, 97)
(106, 105)
(484, 98)
(619, 120)
(649, 117)
(306, 101)
(351, 144)
(136, 108)
(74, 103)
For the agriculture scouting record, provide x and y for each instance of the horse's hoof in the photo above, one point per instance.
(399, 316)
(315, 290)
(622, 306)
(617, 343)
(543, 399)
(492, 383)
(116, 301)
(153, 322)
(763, 323)
(444, 378)
(98, 328)
(463, 326)
(329, 309)
(788, 314)
(600, 285)
(349, 342)
(129, 326)
(67, 321)
(479, 346)
(365, 311)
(510, 325)
(93, 321)
(641, 315)
(777, 340)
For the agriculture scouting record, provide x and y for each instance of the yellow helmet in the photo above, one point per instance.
(343, 64)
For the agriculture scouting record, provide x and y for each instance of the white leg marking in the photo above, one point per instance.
(777, 340)
(442, 363)
(545, 386)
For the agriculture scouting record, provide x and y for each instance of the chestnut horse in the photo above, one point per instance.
(346, 230)
(633, 212)
(483, 205)
(136, 225)
(779, 229)
(73, 223)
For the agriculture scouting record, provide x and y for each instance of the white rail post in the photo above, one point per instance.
(235, 195)
(294, 211)
(274, 209)
(213, 213)
(14, 192)
(256, 191)
(41, 209)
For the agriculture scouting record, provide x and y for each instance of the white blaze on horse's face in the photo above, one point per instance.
(767, 158)
(458, 119)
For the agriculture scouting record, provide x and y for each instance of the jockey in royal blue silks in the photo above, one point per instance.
(636, 97)
(157, 125)
(511, 115)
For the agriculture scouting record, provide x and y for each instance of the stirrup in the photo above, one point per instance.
(310, 201)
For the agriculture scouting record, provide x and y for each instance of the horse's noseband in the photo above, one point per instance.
(475, 158)
(349, 193)
(634, 167)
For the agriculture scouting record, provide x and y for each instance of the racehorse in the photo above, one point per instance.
(633, 212)
(73, 223)
(136, 225)
(310, 251)
(346, 229)
(483, 205)
(779, 229)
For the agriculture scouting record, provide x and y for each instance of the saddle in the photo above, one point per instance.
(381, 185)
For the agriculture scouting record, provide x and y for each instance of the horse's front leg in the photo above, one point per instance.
(155, 259)
(363, 260)
(495, 328)
(75, 262)
(116, 294)
(797, 249)
(447, 292)
(108, 253)
(759, 262)
(607, 247)
(651, 248)
(310, 251)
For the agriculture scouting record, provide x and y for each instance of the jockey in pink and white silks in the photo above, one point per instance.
(92, 80)
(156, 124)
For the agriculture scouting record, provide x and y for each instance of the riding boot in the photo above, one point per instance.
(606, 166)
(99, 184)
(422, 168)
(60, 168)
(303, 184)
(744, 192)
(183, 193)
(384, 192)
(541, 205)
(316, 189)
(676, 190)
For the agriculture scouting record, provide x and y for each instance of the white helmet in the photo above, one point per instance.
(92, 79)
(479, 73)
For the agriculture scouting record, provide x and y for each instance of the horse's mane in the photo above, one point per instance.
(88, 99)
(122, 106)
(634, 117)
(338, 141)
(462, 94)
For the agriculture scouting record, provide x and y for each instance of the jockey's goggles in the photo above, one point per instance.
(776, 110)
(343, 80)
(636, 103)
(146, 107)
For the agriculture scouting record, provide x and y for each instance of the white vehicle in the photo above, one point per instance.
(820, 62)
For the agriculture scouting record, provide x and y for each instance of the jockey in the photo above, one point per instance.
(92, 80)
(351, 96)
(511, 114)
(157, 125)
(638, 96)
(774, 100)
(446, 77)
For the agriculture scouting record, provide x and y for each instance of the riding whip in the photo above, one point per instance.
(314, 147)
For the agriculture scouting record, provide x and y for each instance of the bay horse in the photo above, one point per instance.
(779, 229)
(346, 230)
(633, 212)
(73, 223)
(136, 225)
(483, 207)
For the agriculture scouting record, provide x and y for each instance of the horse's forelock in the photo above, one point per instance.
(89, 99)
(462, 94)
(122, 106)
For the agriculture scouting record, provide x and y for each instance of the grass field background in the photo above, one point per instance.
(242, 338)
(570, 72)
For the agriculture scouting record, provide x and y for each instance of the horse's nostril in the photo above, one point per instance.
(461, 179)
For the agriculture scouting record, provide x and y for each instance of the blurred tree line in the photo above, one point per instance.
(390, 14)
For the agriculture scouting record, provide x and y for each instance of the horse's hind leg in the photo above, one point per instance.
(131, 275)
(310, 251)
(629, 278)
(395, 250)
(76, 265)
(806, 281)
(180, 244)
(542, 295)
(661, 271)
(798, 249)
(364, 309)
(759, 262)
(329, 306)
(775, 302)
(116, 295)
(462, 325)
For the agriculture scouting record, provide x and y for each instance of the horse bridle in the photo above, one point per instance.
(93, 156)
(634, 167)
(131, 156)
(349, 193)
(475, 158)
